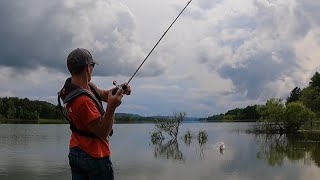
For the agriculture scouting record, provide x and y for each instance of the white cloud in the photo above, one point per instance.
(220, 54)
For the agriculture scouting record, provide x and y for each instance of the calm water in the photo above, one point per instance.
(31, 152)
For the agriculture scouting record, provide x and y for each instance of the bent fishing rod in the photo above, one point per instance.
(124, 86)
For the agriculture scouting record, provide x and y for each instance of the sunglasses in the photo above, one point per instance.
(92, 64)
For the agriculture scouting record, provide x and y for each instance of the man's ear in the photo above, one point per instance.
(87, 69)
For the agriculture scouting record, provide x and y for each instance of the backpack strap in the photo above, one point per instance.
(71, 91)
(73, 127)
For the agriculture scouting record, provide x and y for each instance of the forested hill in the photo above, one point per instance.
(25, 109)
(307, 98)
(249, 113)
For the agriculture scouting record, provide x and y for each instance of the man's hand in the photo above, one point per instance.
(127, 91)
(114, 100)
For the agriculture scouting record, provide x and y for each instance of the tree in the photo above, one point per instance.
(315, 80)
(273, 113)
(294, 95)
(310, 97)
(285, 119)
(170, 125)
(296, 114)
(19, 112)
(11, 111)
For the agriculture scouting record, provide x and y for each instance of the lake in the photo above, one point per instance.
(32, 152)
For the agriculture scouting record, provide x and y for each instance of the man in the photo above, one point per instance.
(89, 155)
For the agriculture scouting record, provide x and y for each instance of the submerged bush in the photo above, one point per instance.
(202, 137)
(170, 125)
(296, 115)
(156, 137)
(187, 137)
(280, 118)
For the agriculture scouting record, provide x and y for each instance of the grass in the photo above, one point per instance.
(39, 121)
(51, 121)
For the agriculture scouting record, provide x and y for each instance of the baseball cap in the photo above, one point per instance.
(79, 57)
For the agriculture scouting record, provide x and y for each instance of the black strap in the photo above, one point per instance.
(71, 91)
(80, 91)
(72, 125)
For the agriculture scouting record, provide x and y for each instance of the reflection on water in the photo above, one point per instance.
(275, 149)
(170, 150)
(32, 152)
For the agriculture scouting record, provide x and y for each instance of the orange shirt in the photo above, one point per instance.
(81, 111)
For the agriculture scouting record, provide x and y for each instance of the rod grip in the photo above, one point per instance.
(123, 87)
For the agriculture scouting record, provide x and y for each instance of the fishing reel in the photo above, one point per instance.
(118, 86)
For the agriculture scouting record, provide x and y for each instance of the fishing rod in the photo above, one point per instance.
(124, 86)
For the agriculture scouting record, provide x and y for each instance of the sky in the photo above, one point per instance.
(219, 55)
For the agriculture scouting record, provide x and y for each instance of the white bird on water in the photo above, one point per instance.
(221, 147)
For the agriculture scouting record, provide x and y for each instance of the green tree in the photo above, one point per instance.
(294, 95)
(11, 111)
(285, 119)
(170, 125)
(1, 109)
(19, 112)
(273, 113)
(296, 114)
(229, 117)
(310, 97)
(315, 80)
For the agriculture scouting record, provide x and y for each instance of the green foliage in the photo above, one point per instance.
(132, 118)
(215, 117)
(187, 137)
(18, 110)
(294, 95)
(238, 114)
(229, 117)
(156, 137)
(170, 125)
(310, 97)
(202, 137)
(272, 111)
(315, 80)
(285, 119)
(296, 114)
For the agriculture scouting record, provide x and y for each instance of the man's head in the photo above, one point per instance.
(78, 60)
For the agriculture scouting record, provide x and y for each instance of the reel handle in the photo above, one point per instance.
(123, 87)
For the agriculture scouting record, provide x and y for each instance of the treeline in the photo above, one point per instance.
(250, 113)
(301, 110)
(24, 110)
(308, 96)
(132, 118)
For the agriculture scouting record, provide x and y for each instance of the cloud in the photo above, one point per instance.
(219, 55)
(38, 33)
(256, 47)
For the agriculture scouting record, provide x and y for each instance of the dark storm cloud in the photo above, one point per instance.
(266, 52)
(254, 75)
(310, 10)
(41, 33)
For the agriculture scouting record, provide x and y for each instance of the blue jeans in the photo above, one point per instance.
(85, 167)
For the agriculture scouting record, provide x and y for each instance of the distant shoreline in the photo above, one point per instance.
(62, 121)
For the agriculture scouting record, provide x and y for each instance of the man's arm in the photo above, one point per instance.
(104, 93)
(102, 126)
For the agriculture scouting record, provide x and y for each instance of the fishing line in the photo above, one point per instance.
(124, 86)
